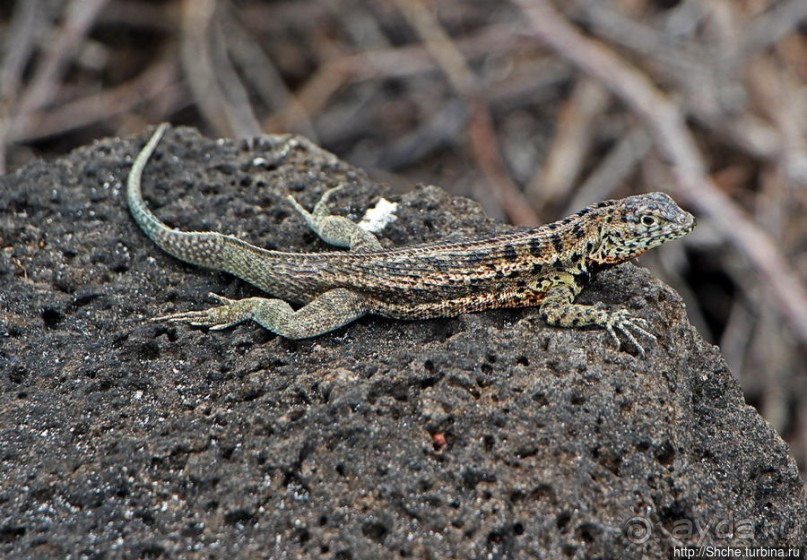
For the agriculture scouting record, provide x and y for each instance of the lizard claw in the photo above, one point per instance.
(622, 321)
(221, 299)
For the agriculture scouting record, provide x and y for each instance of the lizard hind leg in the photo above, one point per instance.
(325, 313)
(336, 230)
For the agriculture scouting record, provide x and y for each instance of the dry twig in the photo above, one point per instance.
(480, 131)
(204, 59)
(159, 82)
(80, 14)
(572, 143)
(614, 169)
(263, 75)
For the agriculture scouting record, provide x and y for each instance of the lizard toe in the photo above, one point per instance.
(216, 318)
(220, 299)
(627, 325)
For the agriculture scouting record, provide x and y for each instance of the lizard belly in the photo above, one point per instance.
(413, 308)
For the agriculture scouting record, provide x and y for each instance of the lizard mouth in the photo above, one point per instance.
(686, 223)
(680, 226)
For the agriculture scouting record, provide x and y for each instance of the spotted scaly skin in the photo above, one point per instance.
(545, 267)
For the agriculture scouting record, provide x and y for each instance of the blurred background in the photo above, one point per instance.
(533, 108)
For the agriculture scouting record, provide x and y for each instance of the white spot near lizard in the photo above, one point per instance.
(379, 216)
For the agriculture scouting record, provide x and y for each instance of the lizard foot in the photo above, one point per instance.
(229, 313)
(336, 230)
(324, 313)
(622, 321)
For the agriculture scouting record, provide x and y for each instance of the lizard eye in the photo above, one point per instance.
(648, 220)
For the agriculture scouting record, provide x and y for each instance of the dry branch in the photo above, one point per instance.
(481, 132)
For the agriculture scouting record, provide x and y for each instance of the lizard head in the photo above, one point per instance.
(635, 224)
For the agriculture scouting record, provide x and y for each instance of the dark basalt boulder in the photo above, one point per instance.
(484, 436)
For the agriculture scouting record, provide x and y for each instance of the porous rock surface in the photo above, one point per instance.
(485, 436)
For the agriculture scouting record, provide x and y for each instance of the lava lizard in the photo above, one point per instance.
(546, 266)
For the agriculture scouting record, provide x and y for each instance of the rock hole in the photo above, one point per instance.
(9, 533)
(17, 374)
(665, 454)
(151, 550)
(540, 398)
(588, 532)
(52, 317)
(483, 382)
(239, 516)
(170, 333)
(430, 381)
(496, 537)
(425, 484)
(254, 393)
(146, 517)
(149, 350)
(472, 477)
(85, 298)
(523, 361)
(527, 451)
(375, 530)
(674, 512)
(562, 521)
(578, 398)
(517, 496)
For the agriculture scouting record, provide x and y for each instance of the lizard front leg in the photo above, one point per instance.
(558, 309)
(323, 314)
(336, 230)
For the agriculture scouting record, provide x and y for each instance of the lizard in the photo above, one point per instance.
(545, 267)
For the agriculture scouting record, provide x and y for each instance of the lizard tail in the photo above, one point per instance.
(200, 248)
(203, 248)
(147, 221)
